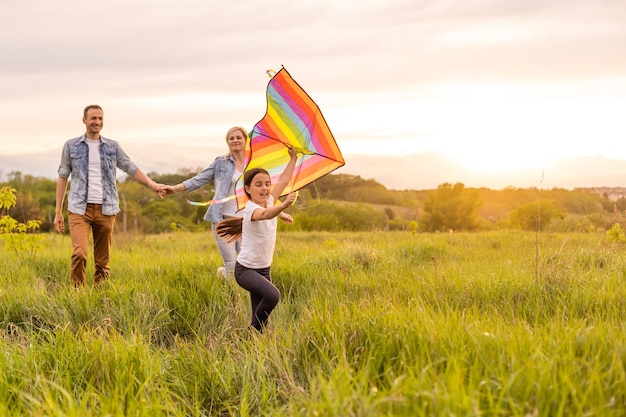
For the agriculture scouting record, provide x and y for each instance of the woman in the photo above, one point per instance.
(223, 172)
(257, 230)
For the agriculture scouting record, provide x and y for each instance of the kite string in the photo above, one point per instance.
(317, 202)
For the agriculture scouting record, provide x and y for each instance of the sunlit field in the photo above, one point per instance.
(369, 324)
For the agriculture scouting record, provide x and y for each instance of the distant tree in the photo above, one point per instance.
(598, 221)
(536, 215)
(335, 217)
(133, 196)
(450, 207)
(620, 204)
(390, 213)
(579, 202)
(26, 208)
(590, 210)
(354, 188)
(35, 198)
(160, 214)
(14, 177)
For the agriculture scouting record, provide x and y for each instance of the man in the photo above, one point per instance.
(93, 200)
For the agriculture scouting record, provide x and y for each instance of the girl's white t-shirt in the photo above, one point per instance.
(258, 238)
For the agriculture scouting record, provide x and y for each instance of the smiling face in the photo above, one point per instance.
(236, 139)
(94, 121)
(258, 186)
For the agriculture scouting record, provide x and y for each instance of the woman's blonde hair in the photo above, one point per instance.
(234, 129)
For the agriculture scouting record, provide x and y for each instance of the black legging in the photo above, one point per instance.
(263, 294)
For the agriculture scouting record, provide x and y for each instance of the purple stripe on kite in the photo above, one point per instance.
(308, 162)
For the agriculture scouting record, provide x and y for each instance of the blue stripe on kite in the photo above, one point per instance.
(286, 107)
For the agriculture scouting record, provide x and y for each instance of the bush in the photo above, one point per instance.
(336, 217)
(18, 237)
(616, 233)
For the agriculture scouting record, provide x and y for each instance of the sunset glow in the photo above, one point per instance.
(492, 88)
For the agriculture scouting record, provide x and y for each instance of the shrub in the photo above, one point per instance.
(18, 237)
(616, 233)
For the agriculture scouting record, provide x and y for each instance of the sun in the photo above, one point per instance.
(493, 129)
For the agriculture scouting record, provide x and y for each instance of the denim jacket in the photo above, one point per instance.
(220, 173)
(75, 161)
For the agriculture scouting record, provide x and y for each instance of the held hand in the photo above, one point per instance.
(292, 153)
(59, 223)
(170, 189)
(159, 189)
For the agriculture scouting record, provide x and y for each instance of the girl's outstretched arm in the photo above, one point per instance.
(284, 178)
(273, 211)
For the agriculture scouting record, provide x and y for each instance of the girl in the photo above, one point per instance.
(258, 238)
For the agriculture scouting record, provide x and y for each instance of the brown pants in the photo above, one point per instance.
(102, 227)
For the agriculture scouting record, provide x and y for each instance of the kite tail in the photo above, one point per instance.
(207, 203)
(229, 229)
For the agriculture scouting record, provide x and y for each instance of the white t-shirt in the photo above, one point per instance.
(94, 175)
(229, 208)
(258, 238)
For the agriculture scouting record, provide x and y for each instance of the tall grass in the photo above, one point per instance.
(369, 324)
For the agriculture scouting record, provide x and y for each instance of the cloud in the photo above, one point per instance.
(412, 76)
(142, 38)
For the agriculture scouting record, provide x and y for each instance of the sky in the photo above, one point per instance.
(489, 93)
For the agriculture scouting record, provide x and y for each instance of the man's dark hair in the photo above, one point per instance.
(91, 106)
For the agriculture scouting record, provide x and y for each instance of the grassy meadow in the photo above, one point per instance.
(504, 323)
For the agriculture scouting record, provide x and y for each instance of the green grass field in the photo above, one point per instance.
(370, 324)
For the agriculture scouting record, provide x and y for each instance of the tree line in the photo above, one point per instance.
(342, 202)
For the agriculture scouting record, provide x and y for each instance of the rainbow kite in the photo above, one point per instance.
(292, 120)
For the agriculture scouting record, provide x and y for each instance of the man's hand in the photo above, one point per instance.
(159, 189)
(170, 189)
(59, 223)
